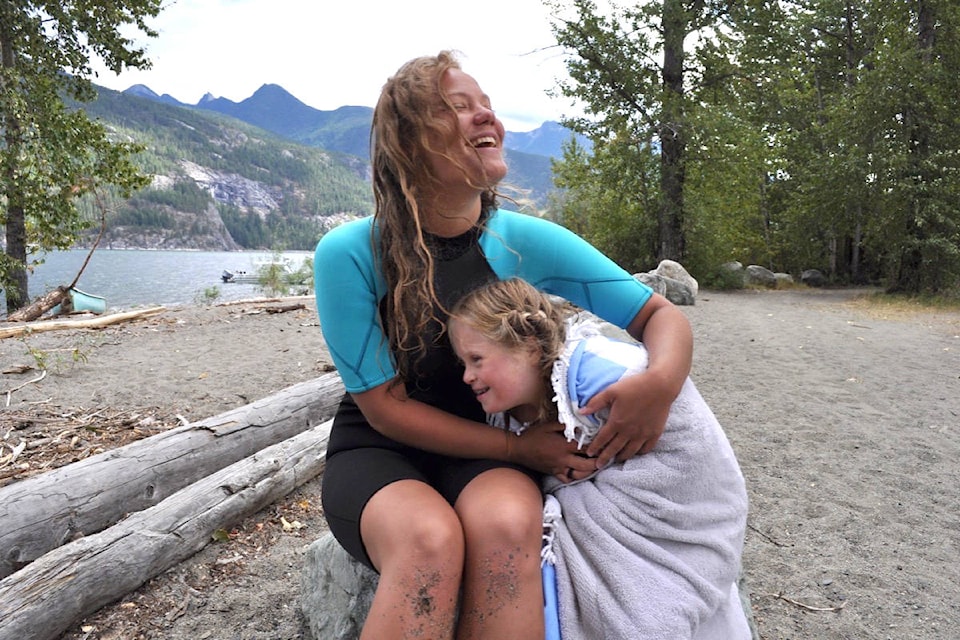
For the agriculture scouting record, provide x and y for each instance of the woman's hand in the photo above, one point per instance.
(544, 448)
(639, 404)
(638, 407)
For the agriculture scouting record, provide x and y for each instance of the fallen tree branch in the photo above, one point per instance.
(233, 303)
(45, 511)
(90, 323)
(9, 392)
(53, 593)
(285, 308)
(808, 607)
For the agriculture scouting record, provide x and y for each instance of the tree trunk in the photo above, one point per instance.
(15, 284)
(46, 511)
(53, 593)
(910, 275)
(672, 135)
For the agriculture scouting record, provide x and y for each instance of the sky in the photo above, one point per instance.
(332, 53)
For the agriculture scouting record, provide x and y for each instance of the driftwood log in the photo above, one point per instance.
(90, 323)
(53, 593)
(46, 511)
(40, 306)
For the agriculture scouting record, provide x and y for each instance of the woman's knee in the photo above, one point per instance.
(505, 508)
(410, 525)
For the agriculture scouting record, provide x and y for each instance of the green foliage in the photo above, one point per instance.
(51, 155)
(209, 295)
(47, 360)
(723, 279)
(620, 219)
(819, 135)
(272, 277)
(276, 278)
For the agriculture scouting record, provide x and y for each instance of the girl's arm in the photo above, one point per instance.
(639, 404)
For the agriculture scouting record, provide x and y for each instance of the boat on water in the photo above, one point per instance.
(239, 277)
(260, 267)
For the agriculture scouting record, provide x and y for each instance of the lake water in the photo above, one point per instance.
(129, 278)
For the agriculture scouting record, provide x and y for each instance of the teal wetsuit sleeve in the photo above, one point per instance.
(348, 290)
(557, 261)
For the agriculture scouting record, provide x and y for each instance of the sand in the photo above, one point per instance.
(844, 414)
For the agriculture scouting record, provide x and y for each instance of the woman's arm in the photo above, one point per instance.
(389, 411)
(639, 404)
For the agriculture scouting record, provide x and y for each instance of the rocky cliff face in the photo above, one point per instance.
(227, 188)
(205, 231)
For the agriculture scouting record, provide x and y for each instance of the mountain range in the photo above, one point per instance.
(269, 172)
(347, 129)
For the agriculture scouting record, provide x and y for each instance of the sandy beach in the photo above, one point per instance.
(844, 414)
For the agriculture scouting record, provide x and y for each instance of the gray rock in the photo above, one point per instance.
(812, 278)
(675, 271)
(756, 274)
(653, 281)
(673, 290)
(336, 591)
(784, 278)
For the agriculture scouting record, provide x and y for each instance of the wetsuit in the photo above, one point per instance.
(350, 290)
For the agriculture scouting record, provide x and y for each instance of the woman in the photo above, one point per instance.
(446, 510)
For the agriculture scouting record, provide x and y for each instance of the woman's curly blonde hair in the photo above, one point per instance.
(515, 315)
(412, 114)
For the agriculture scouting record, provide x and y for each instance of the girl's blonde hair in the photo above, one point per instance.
(515, 315)
(411, 116)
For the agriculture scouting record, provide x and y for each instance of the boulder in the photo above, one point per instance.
(675, 271)
(783, 278)
(653, 281)
(673, 290)
(336, 591)
(812, 278)
(755, 274)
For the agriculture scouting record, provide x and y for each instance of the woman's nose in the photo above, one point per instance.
(485, 115)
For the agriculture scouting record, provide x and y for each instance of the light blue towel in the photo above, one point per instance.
(551, 615)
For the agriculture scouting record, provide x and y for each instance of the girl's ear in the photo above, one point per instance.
(532, 349)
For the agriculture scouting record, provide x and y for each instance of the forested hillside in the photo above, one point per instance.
(219, 183)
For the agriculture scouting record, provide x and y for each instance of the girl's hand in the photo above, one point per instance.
(544, 448)
(638, 406)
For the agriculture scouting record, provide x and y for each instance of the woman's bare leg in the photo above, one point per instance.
(415, 540)
(502, 515)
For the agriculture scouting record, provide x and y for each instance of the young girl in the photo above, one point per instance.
(645, 548)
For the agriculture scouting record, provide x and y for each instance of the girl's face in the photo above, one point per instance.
(478, 146)
(502, 379)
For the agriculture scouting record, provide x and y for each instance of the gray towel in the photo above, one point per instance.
(650, 548)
